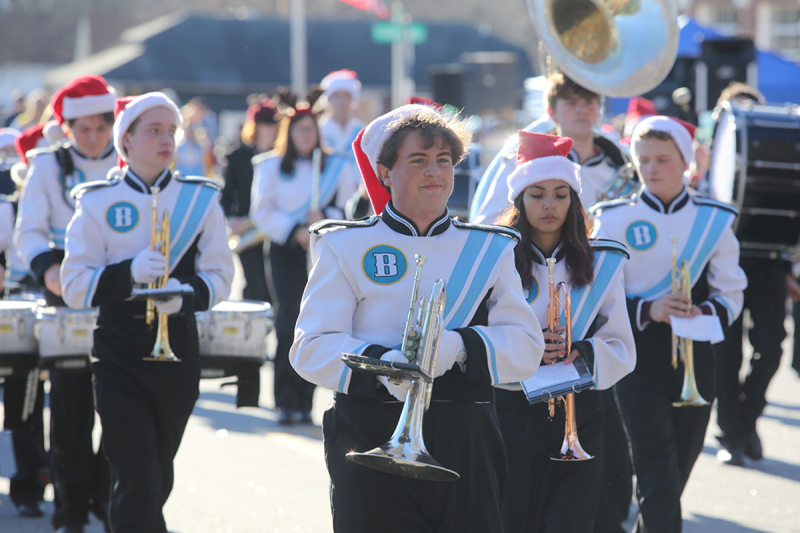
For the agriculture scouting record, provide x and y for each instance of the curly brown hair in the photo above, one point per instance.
(560, 86)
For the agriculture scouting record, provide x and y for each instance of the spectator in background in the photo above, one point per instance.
(339, 127)
(17, 106)
(34, 109)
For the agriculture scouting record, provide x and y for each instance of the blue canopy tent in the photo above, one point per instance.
(778, 79)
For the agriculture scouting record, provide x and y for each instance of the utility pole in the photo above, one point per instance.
(297, 48)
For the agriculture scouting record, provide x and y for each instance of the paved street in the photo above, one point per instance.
(238, 472)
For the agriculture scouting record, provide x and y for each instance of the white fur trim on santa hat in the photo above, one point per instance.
(135, 109)
(7, 137)
(379, 130)
(342, 81)
(86, 106)
(554, 167)
(679, 134)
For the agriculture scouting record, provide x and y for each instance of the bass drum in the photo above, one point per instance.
(19, 352)
(755, 165)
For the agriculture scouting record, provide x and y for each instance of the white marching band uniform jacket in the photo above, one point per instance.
(112, 224)
(340, 138)
(705, 238)
(6, 225)
(358, 293)
(601, 329)
(280, 203)
(46, 206)
(491, 196)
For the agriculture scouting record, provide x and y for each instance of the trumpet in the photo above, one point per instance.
(621, 185)
(405, 454)
(161, 350)
(248, 238)
(571, 449)
(681, 346)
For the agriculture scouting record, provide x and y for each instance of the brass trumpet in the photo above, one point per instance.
(161, 350)
(682, 283)
(571, 449)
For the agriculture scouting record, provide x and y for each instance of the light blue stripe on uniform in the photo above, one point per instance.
(492, 356)
(59, 242)
(605, 275)
(596, 369)
(458, 278)
(490, 258)
(58, 231)
(182, 206)
(721, 221)
(86, 300)
(195, 219)
(213, 292)
(328, 181)
(346, 369)
(698, 229)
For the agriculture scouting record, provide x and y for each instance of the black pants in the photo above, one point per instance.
(616, 478)
(542, 495)
(255, 276)
(796, 350)
(27, 440)
(665, 443)
(80, 476)
(462, 436)
(289, 277)
(144, 407)
(741, 403)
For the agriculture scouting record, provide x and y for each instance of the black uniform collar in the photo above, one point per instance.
(540, 257)
(592, 161)
(107, 152)
(657, 205)
(139, 185)
(404, 225)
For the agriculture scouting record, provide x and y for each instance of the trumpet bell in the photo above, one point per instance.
(572, 451)
(402, 459)
(690, 396)
(617, 48)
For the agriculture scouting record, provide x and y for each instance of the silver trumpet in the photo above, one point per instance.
(405, 453)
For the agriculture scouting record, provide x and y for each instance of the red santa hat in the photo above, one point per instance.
(8, 137)
(681, 132)
(638, 109)
(342, 80)
(542, 157)
(83, 97)
(134, 108)
(422, 100)
(29, 139)
(263, 112)
(369, 143)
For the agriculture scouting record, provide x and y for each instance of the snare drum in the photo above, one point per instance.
(18, 349)
(235, 329)
(66, 336)
(755, 164)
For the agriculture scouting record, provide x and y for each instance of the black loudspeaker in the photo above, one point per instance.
(495, 77)
(721, 62)
(453, 84)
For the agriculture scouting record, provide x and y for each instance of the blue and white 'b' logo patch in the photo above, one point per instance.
(122, 217)
(384, 264)
(641, 235)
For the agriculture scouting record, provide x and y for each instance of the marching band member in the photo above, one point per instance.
(144, 405)
(575, 111)
(356, 301)
(666, 440)
(544, 189)
(339, 127)
(284, 189)
(84, 108)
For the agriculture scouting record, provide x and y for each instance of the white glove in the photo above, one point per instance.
(396, 389)
(451, 351)
(174, 304)
(147, 266)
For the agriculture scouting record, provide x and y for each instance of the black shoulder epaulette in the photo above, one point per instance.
(200, 180)
(702, 200)
(330, 224)
(609, 204)
(83, 188)
(502, 230)
(610, 245)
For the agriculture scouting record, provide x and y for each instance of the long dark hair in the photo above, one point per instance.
(285, 146)
(574, 241)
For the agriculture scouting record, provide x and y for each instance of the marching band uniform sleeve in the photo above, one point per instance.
(513, 340)
(213, 264)
(494, 183)
(32, 234)
(349, 181)
(325, 328)
(726, 281)
(611, 350)
(86, 278)
(265, 211)
(6, 226)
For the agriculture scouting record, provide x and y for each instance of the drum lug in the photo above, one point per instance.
(21, 329)
(212, 326)
(60, 331)
(247, 330)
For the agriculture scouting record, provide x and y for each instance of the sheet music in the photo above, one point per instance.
(548, 376)
(702, 328)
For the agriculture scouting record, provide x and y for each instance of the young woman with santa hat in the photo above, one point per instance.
(543, 495)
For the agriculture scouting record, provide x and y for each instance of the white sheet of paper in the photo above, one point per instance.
(548, 376)
(705, 328)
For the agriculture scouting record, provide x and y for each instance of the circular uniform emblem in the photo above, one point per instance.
(122, 217)
(533, 293)
(641, 235)
(76, 178)
(384, 264)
